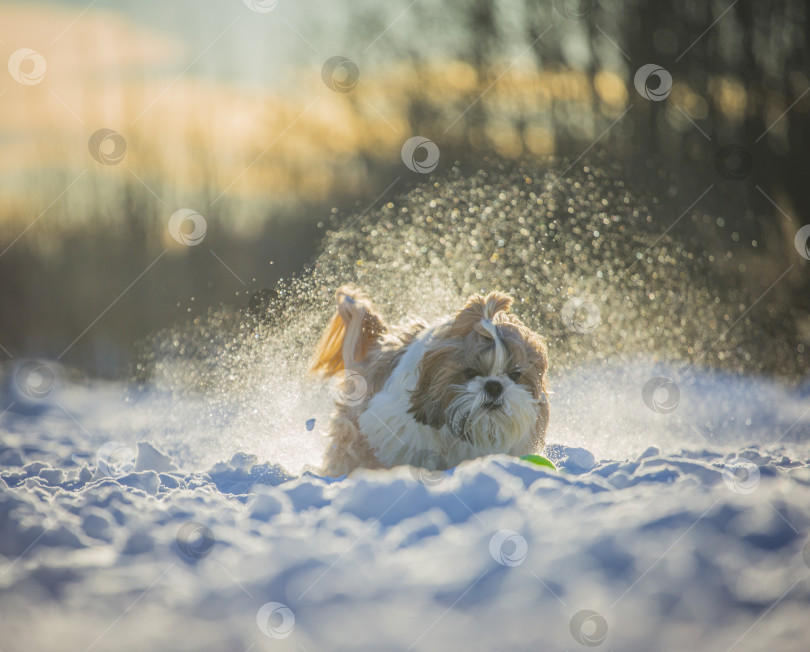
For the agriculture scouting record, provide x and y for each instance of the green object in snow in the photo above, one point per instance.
(539, 460)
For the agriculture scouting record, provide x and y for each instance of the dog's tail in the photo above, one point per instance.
(351, 332)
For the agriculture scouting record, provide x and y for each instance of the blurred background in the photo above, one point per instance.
(238, 111)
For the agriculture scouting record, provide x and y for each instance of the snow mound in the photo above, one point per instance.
(125, 545)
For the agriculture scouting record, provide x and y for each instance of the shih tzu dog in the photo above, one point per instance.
(432, 395)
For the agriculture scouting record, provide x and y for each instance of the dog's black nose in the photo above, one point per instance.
(493, 388)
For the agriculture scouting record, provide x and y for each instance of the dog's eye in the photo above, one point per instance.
(470, 373)
(514, 376)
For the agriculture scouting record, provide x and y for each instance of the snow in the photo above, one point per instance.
(662, 531)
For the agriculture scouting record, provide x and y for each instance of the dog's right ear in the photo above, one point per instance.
(350, 333)
(429, 393)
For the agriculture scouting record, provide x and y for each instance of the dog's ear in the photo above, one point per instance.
(478, 309)
(535, 376)
(538, 381)
(350, 334)
(426, 403)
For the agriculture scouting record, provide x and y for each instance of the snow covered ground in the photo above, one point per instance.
(679, 520)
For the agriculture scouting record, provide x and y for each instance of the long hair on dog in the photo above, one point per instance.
(466, 386)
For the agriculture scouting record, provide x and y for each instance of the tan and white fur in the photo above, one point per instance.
(468, 385)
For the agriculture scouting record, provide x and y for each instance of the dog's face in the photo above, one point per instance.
(484, 377)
